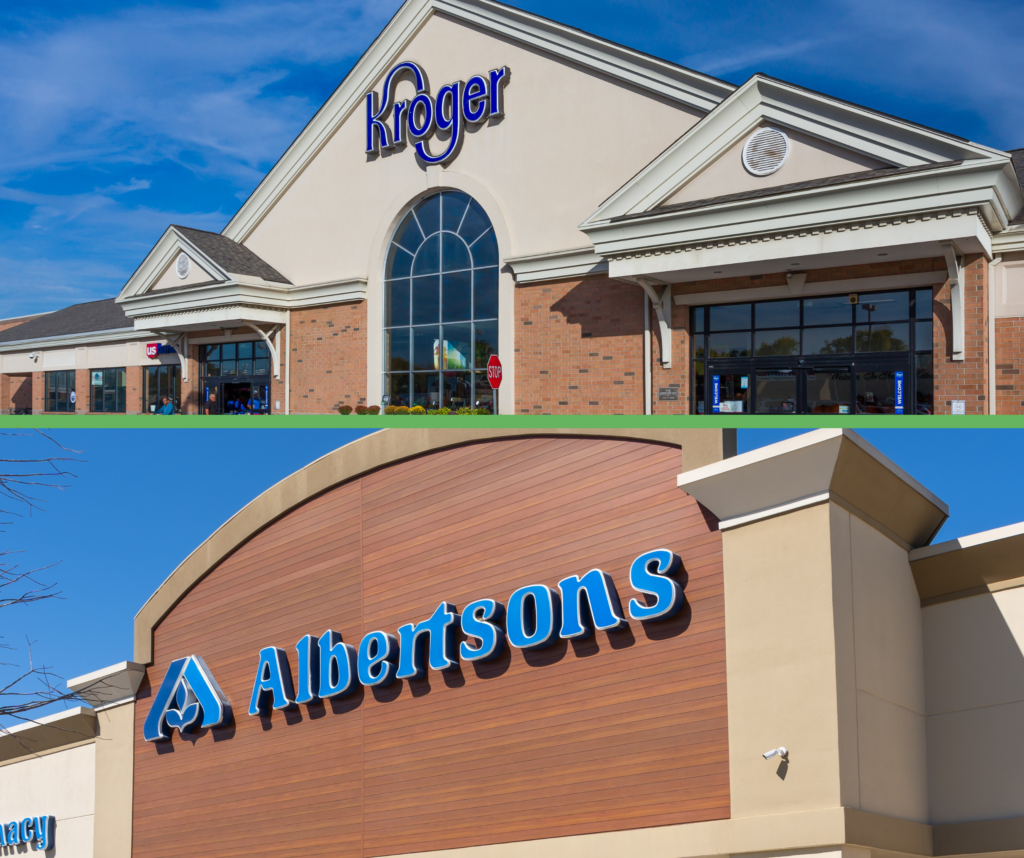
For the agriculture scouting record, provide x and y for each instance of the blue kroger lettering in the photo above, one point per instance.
(273, 680)
(440, 629)
(377, 654)
(649, 575)
(457, 104)
(337, 666)
(476, 623)
(602, 602)
(531, 617)
(32, 829)
(187, 693)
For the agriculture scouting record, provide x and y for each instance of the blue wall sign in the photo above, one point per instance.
(32, 829)
(457, 105)
(537, 616)
(716, 393)
(899, 392)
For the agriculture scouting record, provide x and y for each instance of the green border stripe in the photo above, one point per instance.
(353, 421)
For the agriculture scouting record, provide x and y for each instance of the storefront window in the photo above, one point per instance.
(161, 381)
(441, 305)
(832, 354)
(60, 390)
(107, 388)
(235, 378)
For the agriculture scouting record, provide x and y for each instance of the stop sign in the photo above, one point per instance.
(494, 372)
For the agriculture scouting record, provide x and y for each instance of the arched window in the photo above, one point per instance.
(441, 304)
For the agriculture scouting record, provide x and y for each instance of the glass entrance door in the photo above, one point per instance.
(827, 390)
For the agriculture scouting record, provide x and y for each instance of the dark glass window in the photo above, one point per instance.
(441, 304)
(60, 390)
(161, 381)
(226, 360)
(107, 387)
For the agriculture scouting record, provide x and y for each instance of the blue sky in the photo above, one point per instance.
(121, 118)
(142, 500)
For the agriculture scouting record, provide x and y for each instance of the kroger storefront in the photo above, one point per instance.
(590, 642)
(626, 235)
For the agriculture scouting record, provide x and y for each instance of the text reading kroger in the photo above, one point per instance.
(328, 667)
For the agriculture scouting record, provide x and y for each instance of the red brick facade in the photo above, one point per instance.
(328, 358)
(580, 347)
(965, 380)
(15, 393)
(1009, 360)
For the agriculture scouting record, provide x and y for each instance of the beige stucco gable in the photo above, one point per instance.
(568, 139)
(169, 278)
(809, 158)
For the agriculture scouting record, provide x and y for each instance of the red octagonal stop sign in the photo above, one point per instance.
(494, 371)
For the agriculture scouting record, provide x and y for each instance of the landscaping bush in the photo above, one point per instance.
(401, 409)
(344, 409)
(440, 412)
(360, 409)
(389, 409)
(373, 409)
(417, 409)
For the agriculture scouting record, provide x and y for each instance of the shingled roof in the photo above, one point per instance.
(105, 315)
(233, 257)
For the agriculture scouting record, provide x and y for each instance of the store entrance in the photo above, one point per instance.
(808, 387)
(236, 397)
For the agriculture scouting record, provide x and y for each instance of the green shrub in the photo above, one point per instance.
(440, 412)
(417, 409)
(401, 409)
(373, 409)
(360, 409)
(344, 409)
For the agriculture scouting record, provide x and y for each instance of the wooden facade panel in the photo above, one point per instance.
(619, 730)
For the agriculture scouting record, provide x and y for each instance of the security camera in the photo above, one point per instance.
(775, 752)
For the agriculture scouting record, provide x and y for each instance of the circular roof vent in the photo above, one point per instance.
(182, 266)
(765, 151)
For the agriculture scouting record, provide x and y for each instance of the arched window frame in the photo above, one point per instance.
(440, 319)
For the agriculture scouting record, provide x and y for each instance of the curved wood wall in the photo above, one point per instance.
(621, 730)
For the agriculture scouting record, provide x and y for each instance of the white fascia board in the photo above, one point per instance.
(213, 317)
(171, 243)
(966, 231)
(558, 265)
(962, 542)
(821, 287)
(658, 77)
(332, 292)
(884, 197)
(70, 340)
(44, 720)
(1010, 240)
(759, 100)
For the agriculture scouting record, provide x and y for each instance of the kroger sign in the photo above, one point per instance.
(536, 617)
(457, 105)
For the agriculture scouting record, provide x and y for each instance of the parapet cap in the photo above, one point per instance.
(970, 565)
(827, 464)
(109, 685)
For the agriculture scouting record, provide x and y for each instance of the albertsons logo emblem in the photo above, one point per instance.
(188, 693)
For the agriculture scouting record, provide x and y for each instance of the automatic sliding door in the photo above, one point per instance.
(775, 391)
(828, 391)
(729, 392)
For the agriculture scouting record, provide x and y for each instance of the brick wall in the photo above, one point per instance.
(83, 392)
(1009, 360)
(678, 375)
(967, 379)
(580, 347)
(328, 359)
(39, 392)
(15, 393)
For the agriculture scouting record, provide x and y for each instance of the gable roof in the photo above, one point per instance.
(762, 99)
(635, 68)
(105, 315)
(233, 257)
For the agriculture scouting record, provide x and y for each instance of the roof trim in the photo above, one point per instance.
(86, 337)
(643, 71)
(370, 453)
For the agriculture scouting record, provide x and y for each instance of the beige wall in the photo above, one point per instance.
(86, 357)
(1008, 286)
(114, 778)
(809, 158)
(879, 670)
(974, 658)
(59, 784)
(781, 664)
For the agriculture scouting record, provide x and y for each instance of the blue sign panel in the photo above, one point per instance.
(899, 392)
(537, 616)
(457, 105)
(716, 393)
(32, 829)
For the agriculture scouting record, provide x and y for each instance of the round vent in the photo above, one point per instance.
(765, 151)
(182, 266)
